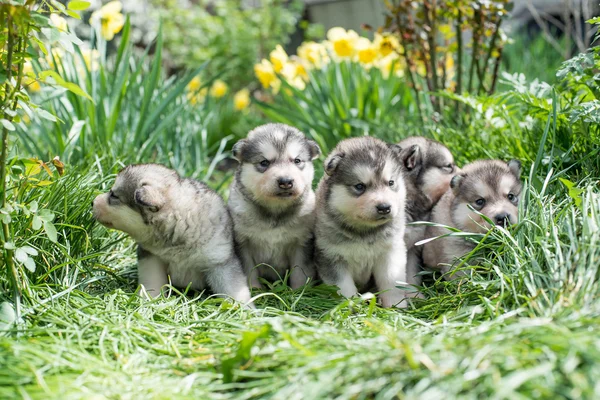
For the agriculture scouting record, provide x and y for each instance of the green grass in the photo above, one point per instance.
(524, 325)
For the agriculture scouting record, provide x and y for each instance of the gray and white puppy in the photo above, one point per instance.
(428, 169)
(491, 187)
(272, 203)
(360, 219)
(182, 227)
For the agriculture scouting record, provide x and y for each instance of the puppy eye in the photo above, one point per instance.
(112, 195)
(297, 161)
(391, 183)
(360, 187)
(265, 163)
(480, 202)
(512, 197)
(448, 167)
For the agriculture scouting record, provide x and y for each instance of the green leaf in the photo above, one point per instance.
(33, 206)
(21, 255)
(30, 264)
(30, 250)
(78, 5)
(7, 316)
(50, 231)
(36, 224)
(73, 14)
(574, 192)
(6, 219)
(7, 124)
(46, 115)
(46, 215)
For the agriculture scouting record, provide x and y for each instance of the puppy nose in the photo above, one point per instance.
(285, 183)
(384, 208)
(502, 219)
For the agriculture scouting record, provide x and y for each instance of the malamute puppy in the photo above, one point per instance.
(491, 187)
(428, 167)
(183, 230)
(360, 219)
(272, 203)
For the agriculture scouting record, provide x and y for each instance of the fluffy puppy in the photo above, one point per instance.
(491, 187)
(272, 204)
(183, 230)
(360, 219)
(428, 167)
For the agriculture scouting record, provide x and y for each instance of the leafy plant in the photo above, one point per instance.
(22, 23)
(229, 34)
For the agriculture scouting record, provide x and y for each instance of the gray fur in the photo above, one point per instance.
(349, 253)
(274, 235)
(182, 227)
(424, 160)
(490, 180)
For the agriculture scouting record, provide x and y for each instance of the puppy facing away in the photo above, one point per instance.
(272, 204)
(491, 187)
(183, 230)
(360, 219)
(428, 167)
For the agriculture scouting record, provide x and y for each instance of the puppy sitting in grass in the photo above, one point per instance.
(272, 204)
(183, 230)
(359, 232)
(492, 188)
(428, 168)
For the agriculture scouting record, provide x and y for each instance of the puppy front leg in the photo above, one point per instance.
(152, 273)
(303, 268)
(249, 267)
(229, 279)
(387, 275)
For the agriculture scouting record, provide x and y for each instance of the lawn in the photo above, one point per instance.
(523, 325)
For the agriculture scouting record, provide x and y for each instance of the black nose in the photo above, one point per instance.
(502, 219)
(384, 208)
(285, 183)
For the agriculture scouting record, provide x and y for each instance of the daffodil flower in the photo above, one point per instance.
(218, 89)
(343, 42)
(110, 19)
(241, 100)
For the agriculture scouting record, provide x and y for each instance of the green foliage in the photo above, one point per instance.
(134, 113)
(231, 36)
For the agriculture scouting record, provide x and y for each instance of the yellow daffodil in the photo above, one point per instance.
(218, 89)
(290, 73)
(313, 54)
(194, 84)
(278, 58)
(392, 64)
(342, 42)
(58, 21)
(195, 97)
(29, 79)
(386, 44)
(109, 18)
(91, 58)
(266, 74)
(366, 52)
(241, 100)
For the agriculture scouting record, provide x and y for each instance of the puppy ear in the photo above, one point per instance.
(412, 157)
(236, 150)
(332, 162)
(395, 148)
(515, 167)
(455, 183)
(150, 198)
(313, 149)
